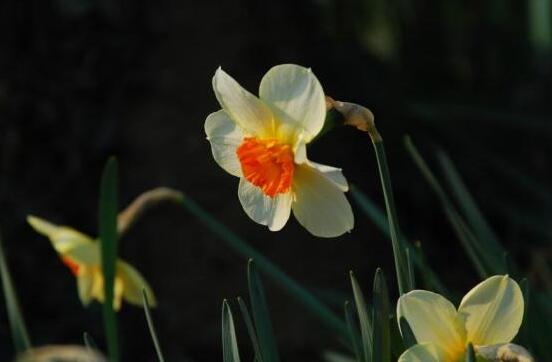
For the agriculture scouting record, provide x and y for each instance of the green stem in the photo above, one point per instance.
(291, 286)
(398, 250)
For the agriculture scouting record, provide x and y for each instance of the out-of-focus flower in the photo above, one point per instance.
(490, 314)
(262, 140)
(81, 254)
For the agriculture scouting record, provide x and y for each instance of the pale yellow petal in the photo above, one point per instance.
(133, 283)
(319, 205)
(270, 211)
(225, 137)
(88, 254)
(63, 238)
(423, 353)
(433, 319)
(85, 280)
(296, 98)
(493, 311)
(249, 112)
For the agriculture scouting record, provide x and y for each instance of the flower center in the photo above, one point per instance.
(267, 164)
(71, 265)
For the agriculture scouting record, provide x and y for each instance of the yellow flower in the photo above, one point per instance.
(81, 254)
(490, 314)
(263, 142)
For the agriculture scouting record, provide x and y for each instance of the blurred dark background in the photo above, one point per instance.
(84, 79)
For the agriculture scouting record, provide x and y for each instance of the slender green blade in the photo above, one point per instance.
(261, 317)
(21, 340)
(381, 336)
(474, 217)
(312, 304)
(151, 326)
(470, 353)
(89, 342)
(380, 220)
(470, 243)
(250, 330)
(364, 319)
(407, 335)
(230, 351)
(398, 248)
(410, 268)
(108, 239)
(353, 331)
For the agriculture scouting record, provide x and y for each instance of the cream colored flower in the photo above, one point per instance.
(490, 314)
(82, 255)
(263, 142)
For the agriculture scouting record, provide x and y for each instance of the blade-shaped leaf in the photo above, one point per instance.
(381, 337)
(312, 303)
(18, 329)
(151, 326)
(380, 220)
(470, 243)
(261, 317)
(407, 335)
(353, 331)
(108, 238)
(250, 330)
(89, 342)
(474, 217)
(364, 319)
(230, 351)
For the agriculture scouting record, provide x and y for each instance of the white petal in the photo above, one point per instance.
(248, 111)
(133, 283)
(333, 174)
(271, 211)
(85, 254)
(296, 98)
(422, 353)
(319, 205)
(225, 137)
(493, 311)
(433, 319)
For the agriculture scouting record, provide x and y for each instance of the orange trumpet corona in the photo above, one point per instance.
(267, 164)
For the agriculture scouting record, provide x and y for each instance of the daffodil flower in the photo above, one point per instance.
(490, 314)
(262, 140)
(81, 254)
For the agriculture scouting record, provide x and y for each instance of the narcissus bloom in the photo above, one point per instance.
(262, 140)
(81, 254)
(490, 314)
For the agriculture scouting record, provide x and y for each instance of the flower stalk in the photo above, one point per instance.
(363, 119)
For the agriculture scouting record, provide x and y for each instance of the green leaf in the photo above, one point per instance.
(470, 353)
(108, 238)
(407, 335)
(381, 336)
(21, 341)
(401, 268)
(353, 331)
(474, 217)
(312, 304)
(465, 235)
(230, 351)
(380, 220)
(364, 319)
(259, 308)
(151, 326)
(89, 342)
(250, 330)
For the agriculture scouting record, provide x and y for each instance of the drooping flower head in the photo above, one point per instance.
(81, 254)
(262, 140)
(490, 314)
